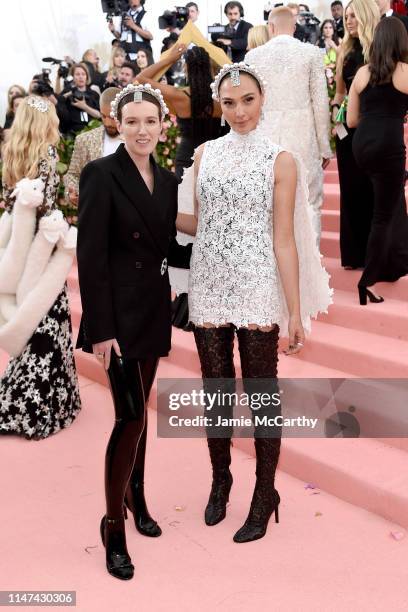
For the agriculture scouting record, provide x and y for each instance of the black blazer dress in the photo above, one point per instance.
(126, 239)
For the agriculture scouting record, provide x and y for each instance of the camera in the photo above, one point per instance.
(310, 19)
(64, 66)
(174, 19)
(216, 28)
(42, 84)
(78, 95)
(114, 8)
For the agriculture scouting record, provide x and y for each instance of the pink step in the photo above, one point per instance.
(362, 353)
(330, 220)
(331, 176)
(183, 362)
(331, 196)
(332, 165)
(387, 319)
(347, 280)
(329, 244)
(358, 471)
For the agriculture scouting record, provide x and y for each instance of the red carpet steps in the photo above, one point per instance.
(351, 341)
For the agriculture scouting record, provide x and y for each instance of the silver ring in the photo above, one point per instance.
(299, 344)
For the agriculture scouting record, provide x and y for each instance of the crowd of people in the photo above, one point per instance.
(254, 141)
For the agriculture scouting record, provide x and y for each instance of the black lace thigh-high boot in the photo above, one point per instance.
(135, 495)
(215, 348)
(127, 392)
(259, 358)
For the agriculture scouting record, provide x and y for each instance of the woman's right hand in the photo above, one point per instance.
(102, 351)
(176, 51)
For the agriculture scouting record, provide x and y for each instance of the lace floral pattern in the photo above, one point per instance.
(233, 275)
(39, 392)
(233, 271)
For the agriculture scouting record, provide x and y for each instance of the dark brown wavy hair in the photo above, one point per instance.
(389, 46)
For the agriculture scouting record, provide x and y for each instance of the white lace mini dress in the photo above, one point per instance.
(234, 276)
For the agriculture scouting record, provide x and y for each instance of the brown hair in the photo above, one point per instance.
(129, 98)
(390, 46)
(84, 67)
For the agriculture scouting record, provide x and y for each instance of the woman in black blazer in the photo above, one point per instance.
(126, 237)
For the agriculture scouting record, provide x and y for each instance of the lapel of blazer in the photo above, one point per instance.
(152, 208)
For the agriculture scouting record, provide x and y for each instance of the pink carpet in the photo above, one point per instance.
(343, 548)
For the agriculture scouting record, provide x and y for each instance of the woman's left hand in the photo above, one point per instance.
(296, 336)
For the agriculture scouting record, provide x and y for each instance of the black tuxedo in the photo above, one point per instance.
(402, 18)
(239, 40)
(124, 235)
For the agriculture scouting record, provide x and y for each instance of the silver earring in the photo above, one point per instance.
(222, 120)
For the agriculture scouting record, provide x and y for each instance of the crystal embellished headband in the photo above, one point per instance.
(234, 71)
(138, 91)
(38, 103)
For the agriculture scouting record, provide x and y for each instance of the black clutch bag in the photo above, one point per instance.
(179, 311)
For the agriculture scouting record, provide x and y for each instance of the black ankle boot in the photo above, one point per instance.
(264, 502)
(220, 456)
(118, 562)
(136, 503)
(265, 499)
(216, 508)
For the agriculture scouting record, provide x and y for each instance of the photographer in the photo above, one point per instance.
(235, 36)
(78, 103)
(135, 30)
(127, 74)
(193, 11)
(337, 14)
(91, 60)
(306, 24)
(40, 85)
(61, 80)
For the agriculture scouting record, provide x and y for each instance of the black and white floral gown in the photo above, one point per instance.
(39, 392)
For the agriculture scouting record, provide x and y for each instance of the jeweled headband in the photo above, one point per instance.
(234, 71)
(38, 103)
(138, 91)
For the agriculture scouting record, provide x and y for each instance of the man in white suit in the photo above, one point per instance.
(296, 110)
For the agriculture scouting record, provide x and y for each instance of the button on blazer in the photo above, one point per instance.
(124, 234)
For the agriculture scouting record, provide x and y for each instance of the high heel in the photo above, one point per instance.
(136, 503)
(363, 293)
(118, 562)
(216, 508)
(260, 512)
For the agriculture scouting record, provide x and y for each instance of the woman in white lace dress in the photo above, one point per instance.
(251, 221)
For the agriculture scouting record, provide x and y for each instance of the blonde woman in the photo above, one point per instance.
(117, 59)
(257, 36)
(13, 91)
(356, 193)
(39, 389)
